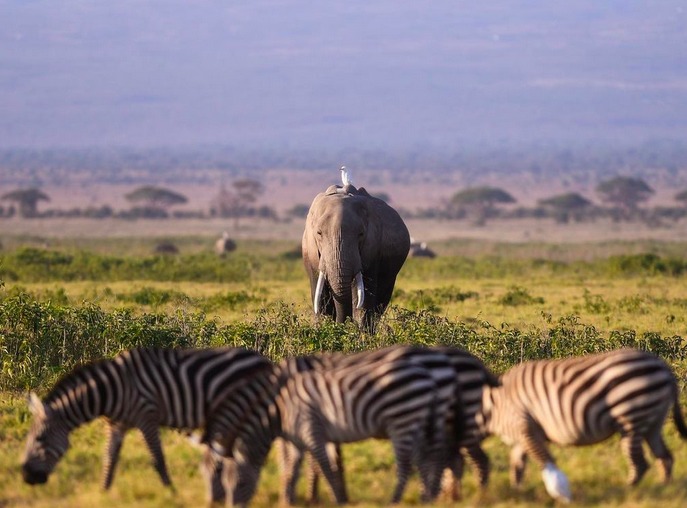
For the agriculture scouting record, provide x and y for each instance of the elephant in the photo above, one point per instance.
(354, 245)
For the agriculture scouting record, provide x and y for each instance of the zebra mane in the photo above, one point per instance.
(76, 377)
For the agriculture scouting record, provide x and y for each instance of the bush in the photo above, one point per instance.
(41, 341)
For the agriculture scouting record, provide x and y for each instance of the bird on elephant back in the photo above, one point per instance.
(354, 245)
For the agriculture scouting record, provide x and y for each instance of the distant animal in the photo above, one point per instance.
(389, 393)
(420, 250)
(581, 401)
(166, 248)
(224, 244)
(353, 248)
(141, 388)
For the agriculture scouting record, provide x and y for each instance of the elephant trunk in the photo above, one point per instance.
(342, 291)
(360, 292)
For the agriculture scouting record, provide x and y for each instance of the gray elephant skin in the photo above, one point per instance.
(353, 248)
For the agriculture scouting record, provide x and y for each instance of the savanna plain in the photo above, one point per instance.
(505, 292)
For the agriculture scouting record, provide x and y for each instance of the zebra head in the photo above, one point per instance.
(47, 442)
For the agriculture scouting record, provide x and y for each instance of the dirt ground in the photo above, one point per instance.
(522, 230)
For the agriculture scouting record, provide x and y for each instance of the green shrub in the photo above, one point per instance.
(40, 341)
(517, 295)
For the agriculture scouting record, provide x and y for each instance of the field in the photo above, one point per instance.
(507, 294)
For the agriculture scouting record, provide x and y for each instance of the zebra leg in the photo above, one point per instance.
(292, 459)
(331, 472)
(451, 479)
(664, 459)
(335, 457)
(534, 445)
(151, 436)
(313, 477)
(403, 448)
(480, 462)
(115, 438)
(631, 445)
(518, 462)
(211, 466)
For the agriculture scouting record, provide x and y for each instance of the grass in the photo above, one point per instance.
(506, 303)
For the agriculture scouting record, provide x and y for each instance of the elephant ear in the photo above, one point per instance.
(308, 245)
(388, 228)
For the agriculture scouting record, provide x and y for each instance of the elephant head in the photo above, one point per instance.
(353, 247)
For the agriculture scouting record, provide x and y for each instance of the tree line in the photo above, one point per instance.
(621, 198)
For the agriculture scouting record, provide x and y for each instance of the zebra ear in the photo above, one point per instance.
(36, 405)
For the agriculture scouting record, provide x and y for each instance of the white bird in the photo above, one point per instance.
(556, 483)
(345, 176)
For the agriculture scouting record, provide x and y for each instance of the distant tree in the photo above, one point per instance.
(566, 205)
(299, 211)
(682, 197)
(155, 197)
(624, 192)
(480, 201)
(236, 202)
(27, 200)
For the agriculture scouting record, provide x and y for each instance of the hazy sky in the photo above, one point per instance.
(374, 74)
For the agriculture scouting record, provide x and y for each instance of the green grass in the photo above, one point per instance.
(78, 301)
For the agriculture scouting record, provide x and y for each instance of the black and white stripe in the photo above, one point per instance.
(400, 393)
(582, 401)
(140, 388)
(472, 375)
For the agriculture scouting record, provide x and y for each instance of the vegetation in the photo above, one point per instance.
(27, 199)
(505, 303)
(480, 201)
(624, 191)
(567, 205)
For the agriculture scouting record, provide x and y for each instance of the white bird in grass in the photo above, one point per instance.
(345, 176)
(556, 483)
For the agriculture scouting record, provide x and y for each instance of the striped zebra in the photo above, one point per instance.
(140, 388)
(472, 375)
(212, 464)
(582, 401)
(388, 393)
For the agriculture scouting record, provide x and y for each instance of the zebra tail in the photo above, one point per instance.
(678, 418)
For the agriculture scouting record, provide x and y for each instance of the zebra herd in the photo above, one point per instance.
(435, 405)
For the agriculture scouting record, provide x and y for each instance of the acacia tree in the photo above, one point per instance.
(624, 192)
(480, 201)
(566, 205)
(27, 200)
(682, 197)
(155, 199)
(237, 201)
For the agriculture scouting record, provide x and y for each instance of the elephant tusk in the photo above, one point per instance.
(318, 293)
(361, 290)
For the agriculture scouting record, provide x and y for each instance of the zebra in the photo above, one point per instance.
(141, 388)
(471, 374)
(387, 393)
(582, 401)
